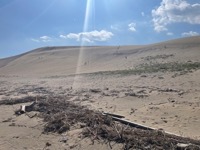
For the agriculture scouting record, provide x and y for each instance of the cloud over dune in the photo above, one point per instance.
(190, 33)
(89, 37)
(42, 39)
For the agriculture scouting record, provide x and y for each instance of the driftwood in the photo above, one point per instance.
(113, 115)
(118, 118)
(181, 146)
(25, 108)
(60, 114)
(132, 124)
(137, 125)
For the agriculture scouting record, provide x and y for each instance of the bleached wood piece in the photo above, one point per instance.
(114, 115)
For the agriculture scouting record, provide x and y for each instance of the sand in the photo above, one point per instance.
(162, 100)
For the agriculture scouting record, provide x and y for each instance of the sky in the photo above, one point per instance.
(30, 24)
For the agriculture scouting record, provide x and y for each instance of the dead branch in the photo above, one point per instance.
(114, 115)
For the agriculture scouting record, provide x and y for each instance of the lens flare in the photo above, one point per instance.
(88, 23)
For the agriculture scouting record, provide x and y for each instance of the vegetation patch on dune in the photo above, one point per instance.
(168, 67)
(164, 56)
(154, 68)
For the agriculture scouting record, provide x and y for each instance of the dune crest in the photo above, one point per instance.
(49, 61)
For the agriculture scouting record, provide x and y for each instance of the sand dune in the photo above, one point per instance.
(70, 60)
(157, 85)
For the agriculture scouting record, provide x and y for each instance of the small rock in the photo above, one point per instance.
(130, 94)
(106, 88)
(48, 144)
(160, 77)
(143, 76)
(165, 121)
(95, 90)
(171, 100)
(181, 93)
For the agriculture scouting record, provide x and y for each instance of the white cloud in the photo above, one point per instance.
(42, 39)
(170, 33)
(175, 11)
(190, 33)
(86, 40)
(73, 36)
(45, 38)
(63, 36)
(35, 40)
(90, 37)
(132, 27)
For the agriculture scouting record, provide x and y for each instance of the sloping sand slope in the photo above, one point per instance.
(51, 61)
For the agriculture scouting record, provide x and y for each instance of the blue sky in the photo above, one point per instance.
(29, 24)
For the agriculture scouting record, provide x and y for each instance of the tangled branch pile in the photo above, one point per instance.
(61, 114)
(18, 101)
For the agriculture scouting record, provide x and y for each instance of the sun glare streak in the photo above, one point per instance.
(88, 13)
(93, 17)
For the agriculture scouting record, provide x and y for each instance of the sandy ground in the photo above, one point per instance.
(170, 101)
